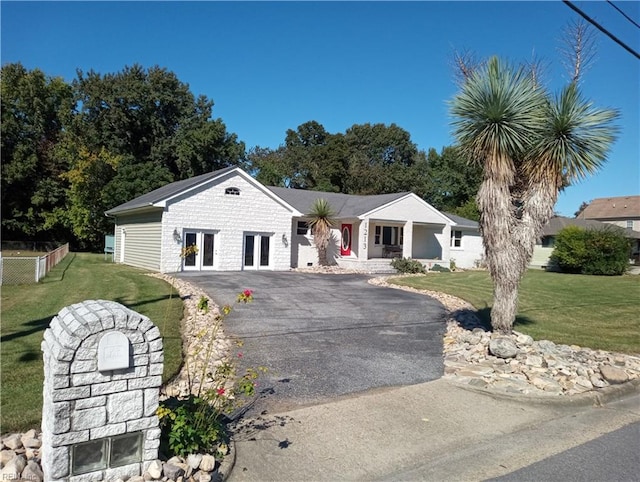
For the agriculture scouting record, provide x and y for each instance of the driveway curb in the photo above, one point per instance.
(593, 398)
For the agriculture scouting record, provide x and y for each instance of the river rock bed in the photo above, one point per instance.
(518, 364)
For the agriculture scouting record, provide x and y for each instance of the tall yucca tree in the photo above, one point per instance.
(529, 144)
(321, 221)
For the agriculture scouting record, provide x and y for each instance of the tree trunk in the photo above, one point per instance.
(511, 241)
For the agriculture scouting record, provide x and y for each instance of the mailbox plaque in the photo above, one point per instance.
(113, 352)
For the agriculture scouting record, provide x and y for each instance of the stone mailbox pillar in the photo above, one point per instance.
(102, 374)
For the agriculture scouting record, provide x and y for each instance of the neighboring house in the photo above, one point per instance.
(543, 249)
(239, 224)
(623, 211)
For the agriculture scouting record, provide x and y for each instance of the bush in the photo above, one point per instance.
(592, 251)
(440, 269)
(408, 265)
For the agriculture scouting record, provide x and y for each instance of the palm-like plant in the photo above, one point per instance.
(321, 221)
(529, 145)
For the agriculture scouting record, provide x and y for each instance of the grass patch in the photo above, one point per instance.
(27, 310)
(600, 312)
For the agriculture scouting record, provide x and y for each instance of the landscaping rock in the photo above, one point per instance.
(13, 441)
(6, 456)
(173, 471)
(613, 375)
(13, 469)
(503, 347)
(155, 469)
(194, 461)
(208, 463)
(32, 472)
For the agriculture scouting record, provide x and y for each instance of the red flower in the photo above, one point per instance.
(239, 355)
(220, 391)
(247, 293)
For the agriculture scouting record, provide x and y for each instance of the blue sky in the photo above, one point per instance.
(272, 66)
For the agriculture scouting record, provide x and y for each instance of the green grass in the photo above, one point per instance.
(27, 310)
(600, 312)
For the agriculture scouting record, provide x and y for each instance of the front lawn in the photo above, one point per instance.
(27, 310)
(600, 312)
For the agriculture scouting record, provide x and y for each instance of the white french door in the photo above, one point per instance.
(203, 257)
(256, 251)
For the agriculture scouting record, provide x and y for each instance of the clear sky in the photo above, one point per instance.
(271, 66)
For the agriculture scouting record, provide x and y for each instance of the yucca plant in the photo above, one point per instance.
(530, 144)
(321, 221)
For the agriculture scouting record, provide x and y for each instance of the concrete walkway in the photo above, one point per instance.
(431, 431)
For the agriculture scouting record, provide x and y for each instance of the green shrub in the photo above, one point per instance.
(592, 251)
(408, 265)
(440, 269)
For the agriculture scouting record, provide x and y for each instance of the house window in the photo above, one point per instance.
(456, 239)
(376, 239)
(629, 223)
(233, 191)
(392, 235)
(303, 228)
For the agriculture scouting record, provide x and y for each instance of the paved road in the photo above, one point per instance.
(324, 336)
(612, 457)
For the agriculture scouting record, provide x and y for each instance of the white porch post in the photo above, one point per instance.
(363, 241)
(407, 247)
(446, 243)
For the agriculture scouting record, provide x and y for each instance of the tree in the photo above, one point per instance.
(528, 144)
(382, 159)
(35, 111)
(151, 116)
(451, 181)
(582, 207)
(321, 221)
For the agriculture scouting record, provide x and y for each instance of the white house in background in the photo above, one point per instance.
(239, 224)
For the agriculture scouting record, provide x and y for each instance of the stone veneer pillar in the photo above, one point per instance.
(103, 368)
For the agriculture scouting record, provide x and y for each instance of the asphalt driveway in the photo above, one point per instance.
(326, 336)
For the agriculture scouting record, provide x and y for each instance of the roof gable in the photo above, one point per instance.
(159, 197)
(622, 207)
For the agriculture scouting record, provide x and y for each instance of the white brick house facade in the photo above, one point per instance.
(236, 224)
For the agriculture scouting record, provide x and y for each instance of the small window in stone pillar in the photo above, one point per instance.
(126, 449)
(89, 456)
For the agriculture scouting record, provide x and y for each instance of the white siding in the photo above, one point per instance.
(142, 243)
(410, 208)
(230, 216)
(470, 253)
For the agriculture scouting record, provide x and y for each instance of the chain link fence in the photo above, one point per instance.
(29, 269)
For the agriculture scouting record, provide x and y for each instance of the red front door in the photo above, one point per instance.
(345, 244)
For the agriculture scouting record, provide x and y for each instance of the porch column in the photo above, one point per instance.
(407, 247)
(363, 241)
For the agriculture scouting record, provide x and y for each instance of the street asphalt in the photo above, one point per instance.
(324, 336)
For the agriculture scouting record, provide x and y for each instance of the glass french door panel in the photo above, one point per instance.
(249, 243)
(264, 250)
(190, 240)
(207, 249)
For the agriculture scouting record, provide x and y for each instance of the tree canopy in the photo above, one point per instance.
(73, 150)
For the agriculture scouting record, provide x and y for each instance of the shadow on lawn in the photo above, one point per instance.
(43, 323)
(37, 325)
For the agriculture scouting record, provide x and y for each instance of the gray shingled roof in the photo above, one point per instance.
(343, 205)
(167, 191)
(557, 223)
(461, 222)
